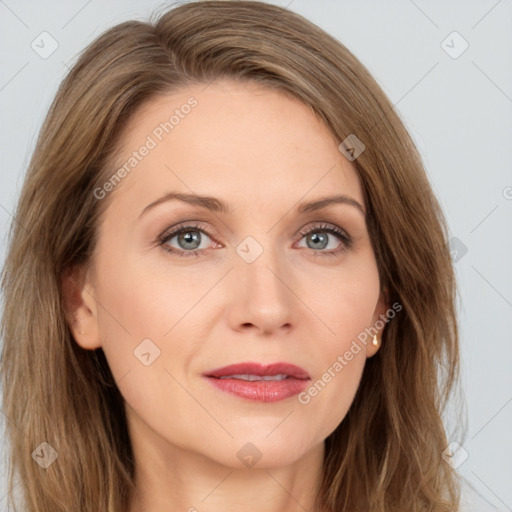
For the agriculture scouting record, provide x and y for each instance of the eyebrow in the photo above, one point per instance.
(216, 205)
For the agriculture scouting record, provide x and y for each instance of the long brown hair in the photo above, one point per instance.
(386, 454)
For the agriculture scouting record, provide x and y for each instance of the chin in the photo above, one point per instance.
(260, 452)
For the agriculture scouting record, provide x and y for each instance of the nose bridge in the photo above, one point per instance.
(263, 297)
(260, 265)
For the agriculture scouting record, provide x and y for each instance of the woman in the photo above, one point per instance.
(228, 281)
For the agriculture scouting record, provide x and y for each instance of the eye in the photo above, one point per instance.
(189, 239)
(192, 240)
(317, 239)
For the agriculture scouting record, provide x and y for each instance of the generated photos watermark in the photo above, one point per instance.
(343, 360)
(152, 141)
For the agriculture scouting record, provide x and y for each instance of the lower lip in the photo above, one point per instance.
(261, 390)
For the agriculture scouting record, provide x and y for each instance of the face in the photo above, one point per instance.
(183, 288)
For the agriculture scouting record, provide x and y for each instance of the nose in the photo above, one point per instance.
(261, 296)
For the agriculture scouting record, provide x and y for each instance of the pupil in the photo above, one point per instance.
(315, 237)
(189, 237)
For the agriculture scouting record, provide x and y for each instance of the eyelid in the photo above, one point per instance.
(184, 226)
(341, 234)
(321, 226)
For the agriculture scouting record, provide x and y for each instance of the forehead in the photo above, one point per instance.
(233, 140)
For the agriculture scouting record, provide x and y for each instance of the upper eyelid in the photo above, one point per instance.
(191, 225)
(172, 232)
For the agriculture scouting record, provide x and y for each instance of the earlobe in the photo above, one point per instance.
(80, 308)
(379, 321)
(374, 346)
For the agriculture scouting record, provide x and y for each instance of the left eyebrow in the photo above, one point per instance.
(326, 201)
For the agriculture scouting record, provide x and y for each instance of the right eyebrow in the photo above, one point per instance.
(210, 203)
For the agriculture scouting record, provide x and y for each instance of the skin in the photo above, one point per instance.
(262, 153)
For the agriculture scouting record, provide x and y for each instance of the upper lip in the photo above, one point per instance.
(253, 368)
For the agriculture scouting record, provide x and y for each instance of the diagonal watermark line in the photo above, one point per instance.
(487, 281)
(417, 83)
(123, 376)
(216, 486)
(14, 218)
(110, 314)
(424, 13)
(72, 278)
(492, 211)
(13, 487)
(491, 419)
(101, 306)
(199, 403)
(13, 422)
(403, 96)
(285, 8)
(193, 192)
(198, 301)
(15, 75)
(3, 3)
(291, 208)
(333, 333)
(491, 9)
(77, 13)
(285, 490)
(280, 423)
(508, 508)
(492, 81)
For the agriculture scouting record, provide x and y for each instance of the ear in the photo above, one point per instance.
(379, 320)
(80, 307)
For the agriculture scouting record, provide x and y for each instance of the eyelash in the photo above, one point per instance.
(328, 228)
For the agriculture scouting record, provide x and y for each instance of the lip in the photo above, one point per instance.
(260, 391)
(262, 370)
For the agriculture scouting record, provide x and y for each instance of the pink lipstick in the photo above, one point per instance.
(259, 382)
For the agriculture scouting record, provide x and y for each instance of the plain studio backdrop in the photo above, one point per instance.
(447, 68)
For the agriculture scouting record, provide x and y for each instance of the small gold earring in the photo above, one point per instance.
(375, 341)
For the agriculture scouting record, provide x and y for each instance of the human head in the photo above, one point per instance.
(75, 154)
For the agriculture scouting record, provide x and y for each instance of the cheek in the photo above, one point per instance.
(148, 317)
(331, 394)
(147, 309)
(139, 301)
(338, 374)
(346, 308)
(345, 300)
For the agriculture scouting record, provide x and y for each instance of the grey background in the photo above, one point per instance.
(458, 111)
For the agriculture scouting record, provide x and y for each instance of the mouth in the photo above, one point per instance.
(258, 382)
